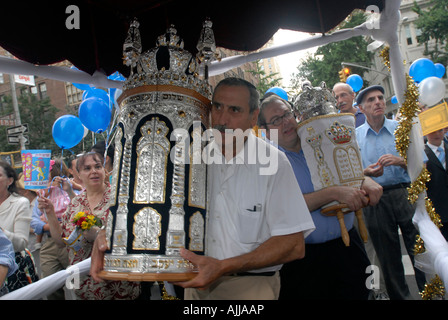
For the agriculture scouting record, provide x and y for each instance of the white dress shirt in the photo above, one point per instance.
(437, 152)
(247, 208)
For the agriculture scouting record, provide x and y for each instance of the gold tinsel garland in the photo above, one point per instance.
(418, 186)
(409, 109)
(385, 55)
(166, 296)
(419, 246)
(432, 213)
(433, 290)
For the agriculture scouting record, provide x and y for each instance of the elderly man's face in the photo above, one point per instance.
(343, 98)
(373, 104)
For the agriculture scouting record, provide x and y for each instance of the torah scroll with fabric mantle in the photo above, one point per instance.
(328, 141)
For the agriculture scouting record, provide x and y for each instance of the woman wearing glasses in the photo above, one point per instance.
(93, 200)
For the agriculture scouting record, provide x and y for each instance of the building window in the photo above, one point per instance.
(1, 78)
(74, 95)
(2, 103)
(418, 34)
(33, 90)
(43, 90)
(407, 30)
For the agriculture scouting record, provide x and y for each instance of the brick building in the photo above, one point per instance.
(239, 72)
(63, 95)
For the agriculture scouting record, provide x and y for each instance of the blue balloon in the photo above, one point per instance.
(67, 131)
(278, 91)
(80, 86)
(94, 114)
(117, 76)
(96, 93)
(394, 100)
(355, 81)
(440, 70)
(421, 69)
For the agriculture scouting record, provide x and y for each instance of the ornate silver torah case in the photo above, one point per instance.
(159, 187)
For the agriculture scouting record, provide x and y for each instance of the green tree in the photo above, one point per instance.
(40, 116)
(6, 109)
(433, 25)
(325, 63)
(266, 81)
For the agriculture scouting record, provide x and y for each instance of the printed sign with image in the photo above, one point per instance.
(36, 168)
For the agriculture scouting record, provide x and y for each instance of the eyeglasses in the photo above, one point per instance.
(279, 120)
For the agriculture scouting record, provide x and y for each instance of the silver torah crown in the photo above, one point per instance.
(314, 101)
(168, 63)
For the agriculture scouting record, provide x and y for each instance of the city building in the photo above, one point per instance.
(270, 65)
(63, 95)
(411, 50)
(239, 72)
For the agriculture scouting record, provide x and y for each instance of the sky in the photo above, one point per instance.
(288, 62)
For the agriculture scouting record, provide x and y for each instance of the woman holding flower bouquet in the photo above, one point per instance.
(81, 222)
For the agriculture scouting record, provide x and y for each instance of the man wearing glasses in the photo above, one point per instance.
(330, 270)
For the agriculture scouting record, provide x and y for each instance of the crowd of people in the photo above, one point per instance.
(282, 249)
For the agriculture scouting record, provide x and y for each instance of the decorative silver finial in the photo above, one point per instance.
(170, 39)
(206, 45)
(314, 101)
(132, 46)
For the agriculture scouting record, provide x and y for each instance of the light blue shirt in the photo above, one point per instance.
(373, 145)
(7, 255)
(327, 228)
(36, 223)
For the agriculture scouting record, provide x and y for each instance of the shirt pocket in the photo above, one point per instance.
(249, 225)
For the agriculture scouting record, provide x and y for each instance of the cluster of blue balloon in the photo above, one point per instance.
(278, 91)
(428, 77)
(355, 81)
(95, 112)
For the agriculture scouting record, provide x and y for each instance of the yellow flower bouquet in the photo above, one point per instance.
(83, 222)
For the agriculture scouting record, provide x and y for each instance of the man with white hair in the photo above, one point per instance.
(344, 95)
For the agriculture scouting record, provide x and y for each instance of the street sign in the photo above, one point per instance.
(14, 131)
(7, 122)
(15, 140)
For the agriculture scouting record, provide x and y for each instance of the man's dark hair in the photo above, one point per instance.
(232, 81)
(265, 102)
